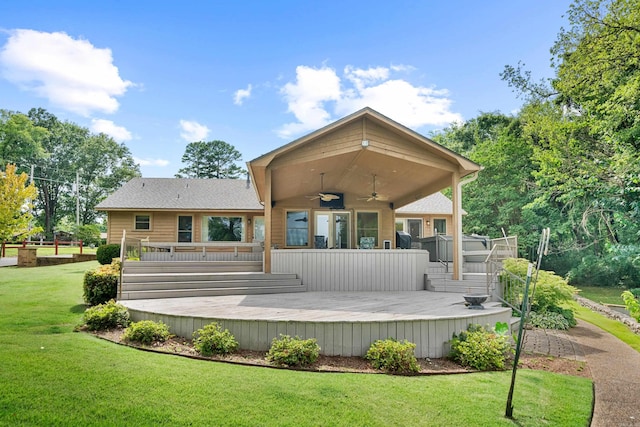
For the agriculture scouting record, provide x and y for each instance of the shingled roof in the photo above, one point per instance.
(436, 203)
(183, 194)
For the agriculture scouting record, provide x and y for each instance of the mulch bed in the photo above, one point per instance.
(429, 366)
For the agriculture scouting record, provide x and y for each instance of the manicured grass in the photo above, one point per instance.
(49, 250)
(50, 375)
(602, 295)
(611, 326)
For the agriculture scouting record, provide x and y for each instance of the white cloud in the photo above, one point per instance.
(71, 73)
(193, 131)
(241, 94)
(307, 96)
(119, 133)
(151, 162)
(316, 91)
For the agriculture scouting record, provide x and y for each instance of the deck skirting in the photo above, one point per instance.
(364, 270)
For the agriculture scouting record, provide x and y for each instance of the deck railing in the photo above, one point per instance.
(501, 249)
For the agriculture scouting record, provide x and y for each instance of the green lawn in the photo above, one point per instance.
(603, 295)
(50, 376)
(50, 250)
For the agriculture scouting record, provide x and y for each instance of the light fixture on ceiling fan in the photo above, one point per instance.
(325, 197)
(374, 196)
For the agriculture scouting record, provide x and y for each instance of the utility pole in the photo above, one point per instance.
(78, 198)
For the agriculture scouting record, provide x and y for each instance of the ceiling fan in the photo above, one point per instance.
(374, 196)
(325, 197)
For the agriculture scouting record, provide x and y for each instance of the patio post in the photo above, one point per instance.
(267, 221)
(456, 193)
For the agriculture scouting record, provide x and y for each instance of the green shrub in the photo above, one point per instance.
(393, 356)
(548, 320)
(89, 234)
(106, 253)
(147, 332)
(106, 316)
(480, 348)
(287, 351)
(619, 266)
(213, 340)
(632, 305)
(101, 285)
(635, 292)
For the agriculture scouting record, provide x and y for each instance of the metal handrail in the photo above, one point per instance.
(446, 250)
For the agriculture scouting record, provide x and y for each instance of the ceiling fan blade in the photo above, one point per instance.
(327, 197)
(313, 197)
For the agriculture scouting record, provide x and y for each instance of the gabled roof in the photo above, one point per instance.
(349, 152)
(183, 194)
(436, 203)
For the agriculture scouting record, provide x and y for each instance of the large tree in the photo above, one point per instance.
(16, 197)
(211, 159)
(584, 123)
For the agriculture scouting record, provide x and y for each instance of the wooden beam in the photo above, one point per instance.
(267, 221)
(457, 225)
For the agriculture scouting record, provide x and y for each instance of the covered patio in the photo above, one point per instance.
(339, 187)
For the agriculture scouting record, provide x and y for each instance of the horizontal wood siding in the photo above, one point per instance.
(329, 270)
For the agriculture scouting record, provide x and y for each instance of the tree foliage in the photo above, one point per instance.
(61, 153)
(211, 159)
(15, 207)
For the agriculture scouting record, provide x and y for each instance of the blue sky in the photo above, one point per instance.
(258, 74)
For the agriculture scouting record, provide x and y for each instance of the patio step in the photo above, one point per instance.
(151, 267)
(149, 279)
(443, 282)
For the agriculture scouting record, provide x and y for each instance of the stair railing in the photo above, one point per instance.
(444, 262)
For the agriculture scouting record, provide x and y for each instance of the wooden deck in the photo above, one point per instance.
(344, 323)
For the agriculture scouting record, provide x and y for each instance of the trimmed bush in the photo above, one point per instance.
(147, 332)
(480, 349)
(287, 351)
(548, 320)
(106, 253)
(212, 340)
(395, 357)
(101, 285)
(106, 316)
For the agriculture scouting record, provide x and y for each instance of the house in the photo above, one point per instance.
(349, 185)
(317, 226)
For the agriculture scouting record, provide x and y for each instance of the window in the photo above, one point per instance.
(367, 226)
(440, 225)
(185, 228)
(297, 228)
(142, 222)
(258, 229)
(413, 226)
(222, 229)
(332, 229)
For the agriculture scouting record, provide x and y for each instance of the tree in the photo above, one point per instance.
(211, 159)
(20, 139)
(15, 205)
(101, 164)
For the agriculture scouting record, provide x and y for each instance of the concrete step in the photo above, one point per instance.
(205, 292)
(218, 284)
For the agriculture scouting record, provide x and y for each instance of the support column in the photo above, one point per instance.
(456, 196)
(267, 221)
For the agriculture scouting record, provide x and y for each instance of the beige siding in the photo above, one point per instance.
(164, 225)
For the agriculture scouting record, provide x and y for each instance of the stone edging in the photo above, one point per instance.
(607, 312)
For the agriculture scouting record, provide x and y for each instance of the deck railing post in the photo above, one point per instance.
(55, 243)
(80, 246)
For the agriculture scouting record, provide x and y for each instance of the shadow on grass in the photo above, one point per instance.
(78, 308)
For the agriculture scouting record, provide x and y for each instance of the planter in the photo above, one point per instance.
(474, 302)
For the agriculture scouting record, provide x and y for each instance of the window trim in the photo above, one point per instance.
(184, 231)
(204, 232)
(286, 228)
(135, 222)
(356, 229)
